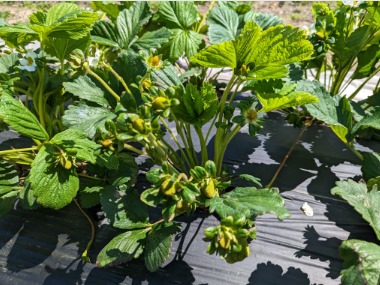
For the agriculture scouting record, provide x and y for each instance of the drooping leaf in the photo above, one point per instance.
(371, 120)
(250, 202)
(366, 203)
(17, 116)
(53, 185)
(217, 56)
(84, 88)
(122, 248)
(76, 142)
(86, 118)
(124, 210)
(196, 106)
(223, 25)
(371, 165)
(329, 109)
(361, 262)
(285, 98)
(177, 14)
(158, 243)
(262, 19)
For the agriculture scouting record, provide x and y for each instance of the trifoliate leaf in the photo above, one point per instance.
(76, 142)
(223, 25)
(361, 262)
(250, 202)
(53, 185)
(86, 118)
(371, 165)
(158, 243)
(17, 116)
(122, 248)
(124, 210)
(85, 89)
(366, 203)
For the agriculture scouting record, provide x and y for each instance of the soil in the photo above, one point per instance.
(297, 13)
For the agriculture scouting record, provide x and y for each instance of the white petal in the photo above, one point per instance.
(31, 54)
(23, 61)
(31, 68)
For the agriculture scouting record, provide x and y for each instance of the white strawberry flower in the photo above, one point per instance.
(28, 62)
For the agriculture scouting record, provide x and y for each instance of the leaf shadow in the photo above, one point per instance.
(273, 274)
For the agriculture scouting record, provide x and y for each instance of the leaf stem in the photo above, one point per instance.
(105, 85)
(134, 149)
(84, 254)
(90, 177)
(5, 152)
(305, 126)
(203, 144)
(118, 77)
(205, 16)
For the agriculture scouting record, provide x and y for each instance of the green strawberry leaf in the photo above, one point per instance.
(53, 185)
(126, 174)
(361, 262)
(196, 106)
(84, 88)
(122, 248)
(262, 19)
(165, 77)
(86, 118)
(371, 165)
(158, 243)
(177, 14)
(17, 116)
(124, 210)
(7, 61)
(367, 60)
(7, 202)
(154, 39)
(366, 203)
(76, 141)
(250, 202)
(371, 120)
(223, 25)
(182, 43)
(8, 177)
(217, 56)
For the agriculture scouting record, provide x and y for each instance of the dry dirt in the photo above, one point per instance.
(297, 13)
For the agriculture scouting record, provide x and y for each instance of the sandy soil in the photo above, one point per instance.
(297, 13)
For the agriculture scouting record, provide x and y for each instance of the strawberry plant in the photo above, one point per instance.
(145, 83)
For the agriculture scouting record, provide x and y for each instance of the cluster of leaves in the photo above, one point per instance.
(361, 258)
(104, 91)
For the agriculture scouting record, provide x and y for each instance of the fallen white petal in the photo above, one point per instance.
(307, 209)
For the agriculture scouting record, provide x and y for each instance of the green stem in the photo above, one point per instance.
(354, 151)
(202, 141)
(105, 85)
(270, 184)
(352, 96)
(175, 140)
(205, 16)
(5, 152)
(85, 252)
(134, 149)
(90, 177)
(41, 100)
(118, 77)
(190, 142)
(175, 157)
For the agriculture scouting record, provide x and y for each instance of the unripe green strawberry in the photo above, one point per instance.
(107, 143)
(209, 190)
(139, 125)
(168, 188)
(160, 103)
(65, 162)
